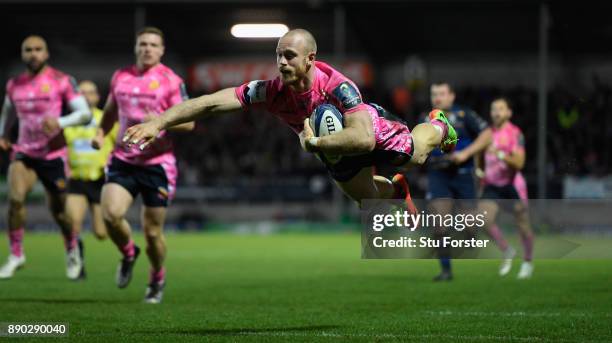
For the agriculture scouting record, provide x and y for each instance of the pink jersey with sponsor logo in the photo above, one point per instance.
(329, 86)
(508, 139)
(34, 98)
(141, 94)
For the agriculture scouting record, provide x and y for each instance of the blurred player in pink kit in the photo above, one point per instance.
(137, 94)
(370, 134)
(35, 100)
(504, 158)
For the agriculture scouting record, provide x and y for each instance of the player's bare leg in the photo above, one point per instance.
(76, 207)
(74, 253)
(521, 213)
(153, 219)
(115, 201)
(21, 179)
(442, 206)
(97, 222)
(425, 138)
(366, 186)
(491, 208)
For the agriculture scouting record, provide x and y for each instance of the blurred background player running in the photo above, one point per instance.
(139, 93)
(452, 177)
(504, 158)
(86, 172)
(35, 99)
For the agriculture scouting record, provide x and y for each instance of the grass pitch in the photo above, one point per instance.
(307, 287)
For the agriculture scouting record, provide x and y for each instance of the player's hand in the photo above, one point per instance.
(98, 141)
(306, 137)
(5, 144)
(50, 126)
(459, 157)
(142, 134)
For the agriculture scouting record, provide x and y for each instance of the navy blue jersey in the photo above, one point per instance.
(468, 125)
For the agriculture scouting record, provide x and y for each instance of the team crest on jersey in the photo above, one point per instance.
(45, 88)
(154, 84)
(347, 95)
(461, 114)
(255, 92)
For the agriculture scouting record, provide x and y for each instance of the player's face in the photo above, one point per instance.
(292, 60)
(90, 92)
(149, 50)
(34, 53)
(500, 112)
(442, 97)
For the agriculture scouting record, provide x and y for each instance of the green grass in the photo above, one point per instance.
(300, 287)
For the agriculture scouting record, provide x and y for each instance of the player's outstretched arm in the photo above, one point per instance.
(357, 137)
(482, 141)
(223, 101)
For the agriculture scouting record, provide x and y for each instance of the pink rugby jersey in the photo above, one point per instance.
(329, 86)
(35, 97)
(508, 139)
(141, 94)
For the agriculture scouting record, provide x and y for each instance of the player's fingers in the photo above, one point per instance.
(130, 134)
(146, 143)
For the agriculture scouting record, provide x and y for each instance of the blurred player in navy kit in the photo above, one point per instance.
(452, 177)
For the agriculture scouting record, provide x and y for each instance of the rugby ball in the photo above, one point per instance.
(326, 120)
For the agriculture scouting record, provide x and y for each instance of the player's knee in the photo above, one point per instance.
(99, 231)
(112, 216)
(153, 235)
(419, 158)
(100, 235)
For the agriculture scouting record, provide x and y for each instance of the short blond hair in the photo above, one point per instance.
(151, 29)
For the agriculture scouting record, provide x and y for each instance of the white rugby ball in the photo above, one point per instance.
(326, 120)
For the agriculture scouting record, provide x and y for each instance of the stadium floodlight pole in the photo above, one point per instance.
(542, 99)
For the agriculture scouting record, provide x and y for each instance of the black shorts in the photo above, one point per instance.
(150, 181)
(454, 184)
(52, 173)
(503, 192)
(90, 189)
(349, 166)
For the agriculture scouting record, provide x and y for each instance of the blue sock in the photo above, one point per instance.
(445, 263)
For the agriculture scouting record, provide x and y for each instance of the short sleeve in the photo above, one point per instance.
(254, 93)
(347, 97)
(178, 92)
(520, 142)
(70, 89)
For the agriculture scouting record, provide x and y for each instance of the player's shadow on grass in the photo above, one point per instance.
(246, 331)
(66, 301)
